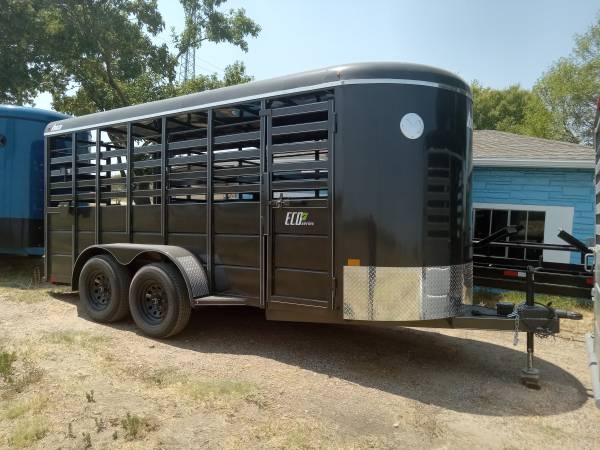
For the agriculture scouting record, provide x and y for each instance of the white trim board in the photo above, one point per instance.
(557, 218)
(534, 163)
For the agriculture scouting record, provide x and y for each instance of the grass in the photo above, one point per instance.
(216, 393)
(72, 338)
(21, 280)
(17, 373)
(136, 427)
(28, 432)
(491, 296)
(35, 405)
(7, 359)
(285, 433)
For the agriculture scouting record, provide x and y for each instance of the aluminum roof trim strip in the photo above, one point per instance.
(331, 84)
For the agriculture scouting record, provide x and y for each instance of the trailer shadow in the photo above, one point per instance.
(463, 375)
(458, 374)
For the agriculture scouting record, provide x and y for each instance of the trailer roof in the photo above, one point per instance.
(357, 73)
(28, 113)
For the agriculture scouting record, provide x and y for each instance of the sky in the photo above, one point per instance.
(498, 43)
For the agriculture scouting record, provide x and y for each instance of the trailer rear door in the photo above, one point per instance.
(298, 204)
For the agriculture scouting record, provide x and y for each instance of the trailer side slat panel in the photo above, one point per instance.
(196, 180)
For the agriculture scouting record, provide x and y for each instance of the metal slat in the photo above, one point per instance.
(86, 170)
(87, 196)
(116, 194)
(60, 185)
(187, 144)
(438, 181)
(61, 160)
(236, 171)
(129, 185)
(300, 109)
(61, 197)
(111, 181)
(303, 165)
(152, 148)
(113, 167)
(182, 160)
(245, 188)
(296, 147)
(146, 164)
(113, 153)
(86, 183)
(298, 185)
(145, 179)
(87, 157)
(238, 138)
(186, 191)
(301, 128)
(236, 155)
(146, 193)
(60, 172)
(193, 175)
(210, 264)
(163, 181)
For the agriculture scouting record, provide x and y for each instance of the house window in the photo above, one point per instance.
(488, 221)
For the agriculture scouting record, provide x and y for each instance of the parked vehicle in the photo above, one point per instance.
(340, 195)
(22, 179)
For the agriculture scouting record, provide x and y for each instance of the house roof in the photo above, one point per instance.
(502, 149)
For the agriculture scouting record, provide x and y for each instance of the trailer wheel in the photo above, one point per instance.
(103, 289)
(158, 300)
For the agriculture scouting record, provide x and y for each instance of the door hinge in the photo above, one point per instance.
(333, 286)
(335, 122)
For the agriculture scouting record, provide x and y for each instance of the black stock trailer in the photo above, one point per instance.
(340, 195)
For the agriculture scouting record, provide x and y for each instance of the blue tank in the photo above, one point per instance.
(22, 178)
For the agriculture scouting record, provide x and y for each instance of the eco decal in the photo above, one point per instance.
(298, 218)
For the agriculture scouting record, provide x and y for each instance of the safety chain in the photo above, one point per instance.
(516, 314)
(540, 332)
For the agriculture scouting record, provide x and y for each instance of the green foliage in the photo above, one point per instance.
(570, 88)
(7, 359)
(136, 427)
(514, 110)
(102, 54)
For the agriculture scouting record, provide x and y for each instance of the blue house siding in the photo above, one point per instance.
(547, 187)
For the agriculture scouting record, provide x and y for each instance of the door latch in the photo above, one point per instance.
(279, 203)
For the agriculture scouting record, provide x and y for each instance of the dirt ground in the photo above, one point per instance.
(234, 380)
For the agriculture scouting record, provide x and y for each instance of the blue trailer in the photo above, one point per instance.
(22, 179)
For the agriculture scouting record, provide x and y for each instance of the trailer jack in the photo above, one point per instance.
(530, 376)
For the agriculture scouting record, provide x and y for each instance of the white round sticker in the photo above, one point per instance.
(412, 126)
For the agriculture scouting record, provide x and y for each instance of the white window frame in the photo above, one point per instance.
(557, 218)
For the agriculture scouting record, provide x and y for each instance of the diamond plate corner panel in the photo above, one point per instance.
(406, 293)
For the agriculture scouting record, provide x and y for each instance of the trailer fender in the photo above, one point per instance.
(188, 265)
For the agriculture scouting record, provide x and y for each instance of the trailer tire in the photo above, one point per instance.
(103, 289)
(159, 300)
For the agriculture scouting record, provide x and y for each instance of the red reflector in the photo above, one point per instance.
(52, 279)
(514, 274)
(590, 281)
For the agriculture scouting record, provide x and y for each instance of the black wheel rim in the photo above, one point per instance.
(153, 302)
(99, 290)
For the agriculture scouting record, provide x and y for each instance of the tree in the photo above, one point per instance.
(513, 109)
(21, 52)
(101, 54)
(570, 88)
